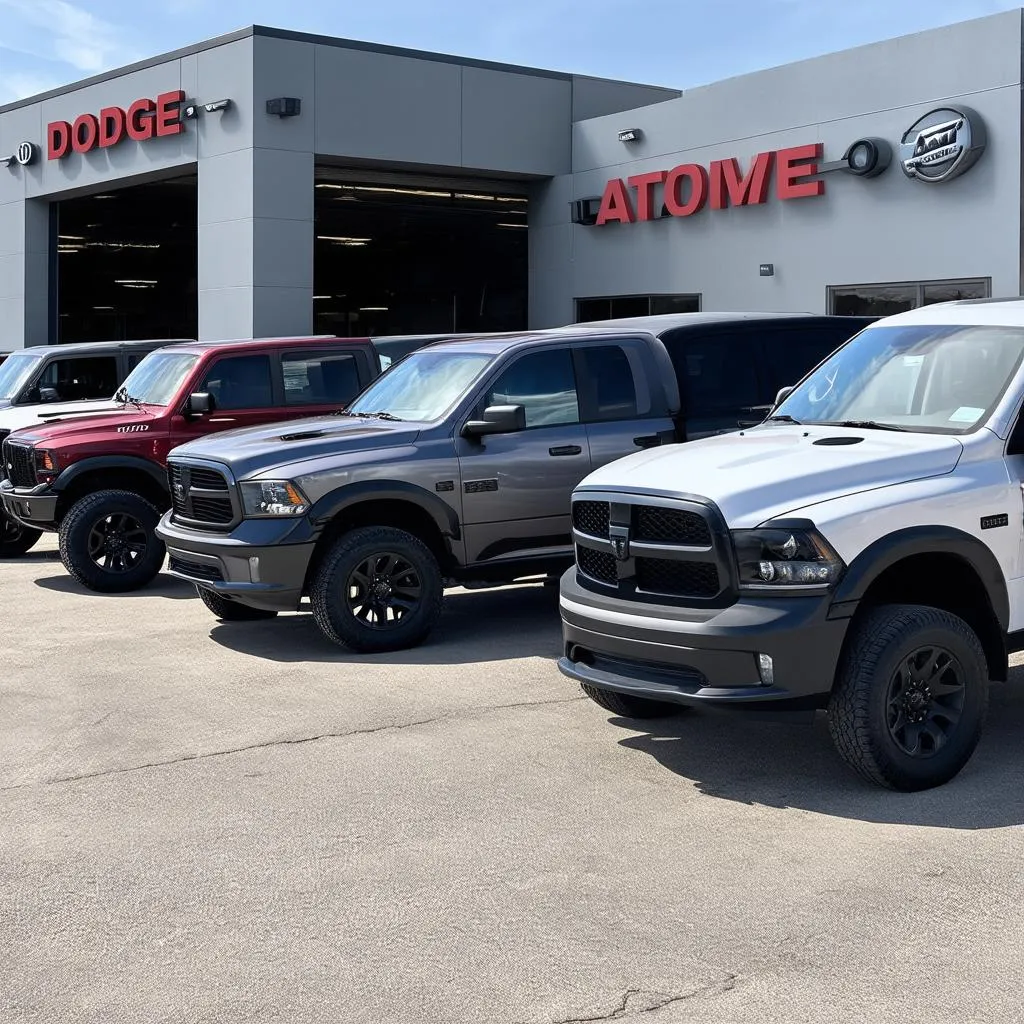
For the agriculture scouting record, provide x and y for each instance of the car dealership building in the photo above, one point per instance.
(269, 183)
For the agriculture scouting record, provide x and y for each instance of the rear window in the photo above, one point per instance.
(329, 378)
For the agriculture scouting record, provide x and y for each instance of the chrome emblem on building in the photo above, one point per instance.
(942, 145)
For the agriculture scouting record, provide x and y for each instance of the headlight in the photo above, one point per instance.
(46, 465)
(785, 558)
(273, 498)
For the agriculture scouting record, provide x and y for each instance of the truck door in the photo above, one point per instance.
(243, 394)
(516, 487)
(621, 413)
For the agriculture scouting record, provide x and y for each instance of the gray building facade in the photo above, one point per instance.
(558, 197)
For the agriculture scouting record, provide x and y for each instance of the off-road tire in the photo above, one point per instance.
(860, 701)
(75, 530)
(16, 539)
(232, 611)
(626, 706)
(329, 590)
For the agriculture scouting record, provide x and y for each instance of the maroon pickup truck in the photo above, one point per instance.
(100, 480)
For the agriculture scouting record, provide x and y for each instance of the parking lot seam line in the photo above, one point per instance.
(666, 999)
(298, 741)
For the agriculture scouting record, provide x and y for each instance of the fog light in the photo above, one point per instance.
(254, 572)
(767, 669)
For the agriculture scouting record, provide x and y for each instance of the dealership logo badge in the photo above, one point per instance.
(942, 145)
(26, 153)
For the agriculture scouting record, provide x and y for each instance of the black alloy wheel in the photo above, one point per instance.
(16, 539)
(108, 541)
(117, 543)
(911, 691)
(925, 701)
(376, 589)
(383, 590)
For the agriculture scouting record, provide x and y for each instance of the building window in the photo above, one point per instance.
(615, 307)
(886, 299)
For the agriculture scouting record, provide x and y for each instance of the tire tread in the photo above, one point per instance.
(850, 706)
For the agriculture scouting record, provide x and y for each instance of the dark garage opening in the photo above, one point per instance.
(418, 258)
(126, 263)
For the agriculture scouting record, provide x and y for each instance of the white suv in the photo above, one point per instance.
(860, 551)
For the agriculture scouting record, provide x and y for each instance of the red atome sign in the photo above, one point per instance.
(144, 119)
(690, 187)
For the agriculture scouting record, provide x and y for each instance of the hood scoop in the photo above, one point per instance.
(307, 435)
(833, 441)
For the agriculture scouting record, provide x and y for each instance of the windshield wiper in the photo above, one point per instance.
(783, 418)
(863, 425)
(376, 416)
(126, 399)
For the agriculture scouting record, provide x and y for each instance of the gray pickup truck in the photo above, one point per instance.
(456, 466)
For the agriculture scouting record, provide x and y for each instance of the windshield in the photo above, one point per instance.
(15, 372)
(934, 379)
(423, 386)
(155, 381)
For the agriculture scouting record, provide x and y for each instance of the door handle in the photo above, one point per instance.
(647, 441)
(566, 449)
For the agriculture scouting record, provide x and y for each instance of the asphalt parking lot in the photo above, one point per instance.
(207, 822)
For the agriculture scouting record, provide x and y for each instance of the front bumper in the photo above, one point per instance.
(698, 657)
(35, 507)
(261, 562)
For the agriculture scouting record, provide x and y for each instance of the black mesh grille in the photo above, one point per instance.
(18, 465)
(195, 569)
(208, 479)
(678, 579)
(190, 497)
(591, 517)
(3, 461)
(671, 526)
(598, 565)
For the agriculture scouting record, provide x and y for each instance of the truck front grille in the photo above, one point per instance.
(598, 565)
(653, 549)
(677, 579)
(18, 466)
(591, 517)
(200, 496)
(671, 526)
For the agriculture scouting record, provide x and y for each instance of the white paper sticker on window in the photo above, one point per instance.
(966, 414)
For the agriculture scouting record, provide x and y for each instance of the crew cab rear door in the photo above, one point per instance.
(516, 487)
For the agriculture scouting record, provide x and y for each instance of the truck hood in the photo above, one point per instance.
(114, 422)
(257, 450)
(17, 416)
(774, 470)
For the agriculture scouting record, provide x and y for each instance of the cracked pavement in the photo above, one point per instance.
(234, 823)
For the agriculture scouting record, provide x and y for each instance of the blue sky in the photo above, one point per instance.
(46, 43)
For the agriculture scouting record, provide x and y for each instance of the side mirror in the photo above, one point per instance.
(782, 396)
(49, 395)
(200, 402)
(497, 419)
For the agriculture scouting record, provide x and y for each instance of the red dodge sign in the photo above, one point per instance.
(144, 119)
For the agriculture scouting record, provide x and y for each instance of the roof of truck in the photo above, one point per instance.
(296, 341)
(92, 346)
(668, 321)
(652, 325)
(1008, 312)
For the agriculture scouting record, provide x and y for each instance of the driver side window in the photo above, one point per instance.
(544, 384)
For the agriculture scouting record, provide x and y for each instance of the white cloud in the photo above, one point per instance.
(16, 85)
(61, 31)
